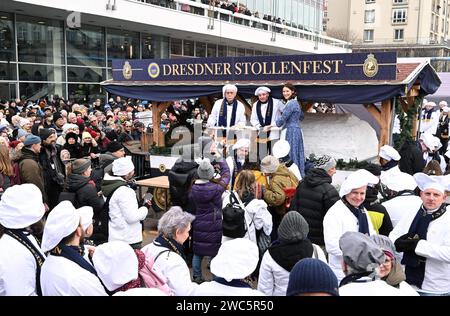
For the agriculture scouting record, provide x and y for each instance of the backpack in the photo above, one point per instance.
(68, 196)
(98, 173)
(233, 222)
(101, 222)
(181, 177)
(151, 277)
(289, 193)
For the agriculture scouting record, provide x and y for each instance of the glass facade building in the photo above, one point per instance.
(43, 57)
(51, 59)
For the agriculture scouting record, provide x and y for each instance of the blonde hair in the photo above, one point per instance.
(245, 182)
(5, 161)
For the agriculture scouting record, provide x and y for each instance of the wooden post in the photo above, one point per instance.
(385, 126)
(156, 119)
(145, 141)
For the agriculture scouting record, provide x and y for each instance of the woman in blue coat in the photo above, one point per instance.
(206, 195)
(290, 118)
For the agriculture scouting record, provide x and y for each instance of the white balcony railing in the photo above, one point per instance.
(226, 16)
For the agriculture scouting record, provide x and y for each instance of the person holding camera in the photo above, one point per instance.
(206, 195)
(124, 213)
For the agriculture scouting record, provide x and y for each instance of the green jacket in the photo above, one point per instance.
(274, 194)
(31, 170)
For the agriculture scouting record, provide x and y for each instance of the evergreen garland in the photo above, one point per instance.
(406, 121)
(352, 164)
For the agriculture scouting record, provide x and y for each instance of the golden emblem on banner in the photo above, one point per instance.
(162, 168)
(127, 71)
(370, 66)
(153, 70)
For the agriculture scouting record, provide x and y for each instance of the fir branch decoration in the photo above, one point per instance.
(406, 121)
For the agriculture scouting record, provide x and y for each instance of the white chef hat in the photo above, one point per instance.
(389, 153)
(116, 264)
(281, 149)
(443, 103)
(439, 183)
(243, 142)
(236, 259)
(62, 221)
(86, 213)
(357, 180)
(227, 87)
(21, 206)
(261, 89)
(431, 142)
(399, 182)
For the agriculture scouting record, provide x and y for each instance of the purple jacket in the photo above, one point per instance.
(207, 226)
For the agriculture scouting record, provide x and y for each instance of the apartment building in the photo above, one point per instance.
(414, 28)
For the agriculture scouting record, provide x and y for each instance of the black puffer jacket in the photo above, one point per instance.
(181, 178)
(412, 158)
(314, 196)
(86, 192)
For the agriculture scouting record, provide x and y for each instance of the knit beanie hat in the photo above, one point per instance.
(31, 139)
(312, 276)
(85, 135)
(71, 135)
(114, 146)
(293, 227)
(269, 164)
(56, 116)
(325, 162)
(21, 133)
(45, 133)
(80, 165)
(205, 170)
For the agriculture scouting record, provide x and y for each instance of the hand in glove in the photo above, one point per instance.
(406, 243)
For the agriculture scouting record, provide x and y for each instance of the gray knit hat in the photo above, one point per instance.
(205, 170)
(80, 165)
(325, 162)
(360, 252)
(293, 227)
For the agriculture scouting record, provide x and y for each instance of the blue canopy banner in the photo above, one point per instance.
(356, 66)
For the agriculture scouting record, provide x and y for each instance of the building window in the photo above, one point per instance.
(399, 2)
(369, 16)
(370, 1)
(368, 35)
(86, 46)
(399, 35)
(176, 46)
(399, 16)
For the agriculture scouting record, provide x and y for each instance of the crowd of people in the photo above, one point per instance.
(71, 222)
